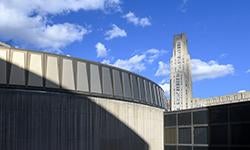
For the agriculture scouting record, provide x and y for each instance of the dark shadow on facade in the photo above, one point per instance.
(35, 119)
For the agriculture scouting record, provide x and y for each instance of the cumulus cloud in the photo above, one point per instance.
(210, 70)
(132, 18)
(115, 32)
(241, 91)
(27, 23)
(163, 69)
(101, 50)
(166, 88)
(106, 61)
(135, 63)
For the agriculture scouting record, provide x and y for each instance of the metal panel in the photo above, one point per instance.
(150, 93)
(135, 87)
(117, 83)
(35, 70)
(17, 72)
(106, 81)
(147, 91)
(68, 81)
(52, 72)
(126, 85)
(3, 65)
(82, 77)
(158, 95)
(142, 90)
(155, 95)
(95, 82)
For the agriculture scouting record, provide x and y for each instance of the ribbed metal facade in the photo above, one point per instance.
(32, 120)
(37, 70)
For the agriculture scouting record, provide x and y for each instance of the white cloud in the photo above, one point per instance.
(101, 50)
(248, 71)
(58, 6)
(210, 70)
(138, 62)
(163, 69)
(183, 6)
(115, 32)
(166, 88)
(130, 17)
(106, 61)
(241, 91)
(135, 63)
(27, 23)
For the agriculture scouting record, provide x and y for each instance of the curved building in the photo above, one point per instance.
(54, 102)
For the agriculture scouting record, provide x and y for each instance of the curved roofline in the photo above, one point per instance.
(89, 61)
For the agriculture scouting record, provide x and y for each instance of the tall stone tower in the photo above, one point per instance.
(180, 75)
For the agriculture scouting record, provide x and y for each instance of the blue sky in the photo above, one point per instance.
(137, 36)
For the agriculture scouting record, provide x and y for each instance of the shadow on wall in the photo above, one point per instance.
(52, 120)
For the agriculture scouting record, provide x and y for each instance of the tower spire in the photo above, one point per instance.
(180, 74)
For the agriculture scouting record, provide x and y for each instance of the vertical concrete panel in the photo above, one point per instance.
(95, 79)
(35, 69)
(17, 72)
(82, 77)
(3, 59)
(68, 81)
(117, 83)
(52, 72)
(126, 85)
(106, 81)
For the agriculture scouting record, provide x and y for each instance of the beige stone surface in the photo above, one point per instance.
(145, 121)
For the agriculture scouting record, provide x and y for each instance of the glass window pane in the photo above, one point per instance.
(218, 114)
(184, 147)
(185, 135)
(218, 135)
(170, 147)
(170, 120)
(184, 118)
(170, 135)
(200, 117)
(200, 135)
